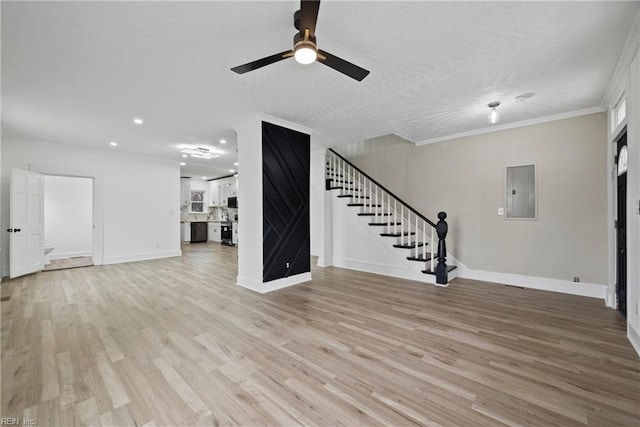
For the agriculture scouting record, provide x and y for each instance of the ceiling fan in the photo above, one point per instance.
(305, 50)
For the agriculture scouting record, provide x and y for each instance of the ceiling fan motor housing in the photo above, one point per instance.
(298, 39)
(296, 19)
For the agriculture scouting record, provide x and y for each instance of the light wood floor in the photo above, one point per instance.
(175, 342)
(76, 262)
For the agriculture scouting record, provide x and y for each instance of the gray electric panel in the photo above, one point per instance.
(521, 192)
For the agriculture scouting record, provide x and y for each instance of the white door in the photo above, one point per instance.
(26, 229)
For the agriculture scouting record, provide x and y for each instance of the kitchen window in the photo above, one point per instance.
(197, 201)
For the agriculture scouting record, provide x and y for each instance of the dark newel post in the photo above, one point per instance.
(441, 268)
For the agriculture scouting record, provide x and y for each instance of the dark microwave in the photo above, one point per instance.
(232, 202)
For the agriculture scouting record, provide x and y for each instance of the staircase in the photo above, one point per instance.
(421, 240)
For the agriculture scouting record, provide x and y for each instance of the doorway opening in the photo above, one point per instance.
(621, 222)
(68, 222)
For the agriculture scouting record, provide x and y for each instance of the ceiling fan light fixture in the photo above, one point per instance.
(494, 115)
(305, 53)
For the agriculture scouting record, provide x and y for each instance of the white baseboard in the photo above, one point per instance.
(593, 290)
(634, 338)
(66, 255)
(273, 285)
(384, 270)
(322, 262)
(141, 257)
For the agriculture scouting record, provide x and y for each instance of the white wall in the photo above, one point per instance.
(68, 215)
(466, 178)
(136, 198)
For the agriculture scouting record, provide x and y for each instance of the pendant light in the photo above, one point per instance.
(494, 116)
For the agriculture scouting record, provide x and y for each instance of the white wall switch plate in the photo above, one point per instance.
(500, 211)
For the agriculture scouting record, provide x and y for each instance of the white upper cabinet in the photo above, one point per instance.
(214, 193)
(221, 189)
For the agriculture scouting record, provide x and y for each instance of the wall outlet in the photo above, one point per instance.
(500, 211)
(287, 265)
(576, 279)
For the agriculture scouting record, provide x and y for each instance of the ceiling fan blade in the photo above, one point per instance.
(339, 64)
(309, 16)
(250, 66)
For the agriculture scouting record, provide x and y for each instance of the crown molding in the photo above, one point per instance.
(506, 126)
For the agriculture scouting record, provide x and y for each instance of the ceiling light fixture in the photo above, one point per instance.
(113, 144)
(232, 170)
(235, 164)
(305, 50)
(183, 164)
(138, 121)
(494, 116)
(185, 156)
(199, 153)
(223, 141)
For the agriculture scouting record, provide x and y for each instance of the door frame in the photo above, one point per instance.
(93, 207)
(614, 132)
(614, 302)
(98, 200)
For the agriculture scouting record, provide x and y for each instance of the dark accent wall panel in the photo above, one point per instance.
(285, 202)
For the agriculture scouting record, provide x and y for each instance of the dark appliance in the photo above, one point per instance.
(232, 202)
(226, 233)
(198, 232)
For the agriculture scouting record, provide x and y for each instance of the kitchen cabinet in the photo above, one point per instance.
(221, 189)
(214, 193)
(185, 231)
(214, 232)
(185, 192)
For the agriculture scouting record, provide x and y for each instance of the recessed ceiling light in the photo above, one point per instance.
(183, 164)
(232, 170)
(185, 156)
(113, 144)
(223, 141)
(204, 177)
(138, 121)
(235, 164)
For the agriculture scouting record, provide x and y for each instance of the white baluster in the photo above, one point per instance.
(395, 216)
(377, 211)
(431, 243)
(415, 251)
(424, 239)
(401, 224)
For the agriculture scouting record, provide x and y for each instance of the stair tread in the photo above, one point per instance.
(336, 188)
(362, 205)
(372, 214)
(352, 195)
(449, 268)
(396, 234)
(384, 223)
(410, 245)
(420, 258)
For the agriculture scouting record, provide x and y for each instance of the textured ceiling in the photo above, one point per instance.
(78, 72)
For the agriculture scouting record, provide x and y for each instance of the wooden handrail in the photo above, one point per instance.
(408, 206)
